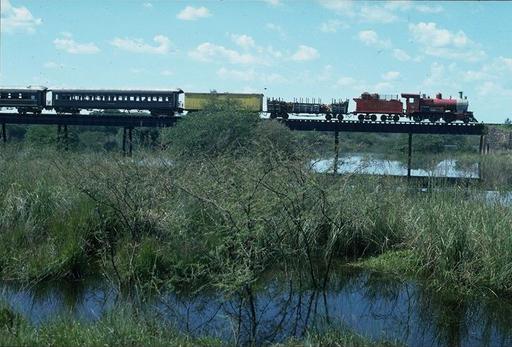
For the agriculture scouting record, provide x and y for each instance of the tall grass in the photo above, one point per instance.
(223, 222)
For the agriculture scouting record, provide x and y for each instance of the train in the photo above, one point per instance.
(373, 107)
(368, 106)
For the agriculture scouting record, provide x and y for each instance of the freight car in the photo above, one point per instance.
(201, 101)
(369, 105)
(282, 109)
(26, 100)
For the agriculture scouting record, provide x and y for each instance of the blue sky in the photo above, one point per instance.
(327, 49)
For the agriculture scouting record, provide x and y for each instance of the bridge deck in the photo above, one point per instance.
(387, 127)
(294, 124)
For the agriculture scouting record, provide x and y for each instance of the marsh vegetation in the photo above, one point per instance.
(223, 203)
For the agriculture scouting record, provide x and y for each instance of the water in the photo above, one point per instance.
(372, 305)
(375, 166)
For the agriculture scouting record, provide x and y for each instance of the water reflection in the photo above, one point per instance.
(372, 305)
(375, 166)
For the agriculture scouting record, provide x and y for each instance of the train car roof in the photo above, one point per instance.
(119, 91)
(23, 89)
(222, 94)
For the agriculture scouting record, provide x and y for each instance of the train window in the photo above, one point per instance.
(411, 100)
(131, 98)
(20, 96)
(160, 99)
(137, 98)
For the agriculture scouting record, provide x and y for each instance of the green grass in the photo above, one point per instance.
(228, 220)
(117, 328)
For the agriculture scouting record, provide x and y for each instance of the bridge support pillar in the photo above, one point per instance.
(66, 137)
(124, 141)
(409, 156)
(4, 136)
(336, 151)
(130, 142)
(481, 151)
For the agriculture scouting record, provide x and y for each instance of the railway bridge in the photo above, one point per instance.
(129, 122)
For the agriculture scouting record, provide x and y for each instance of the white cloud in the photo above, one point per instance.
(135, 70)
(471, 75)
(69, 45)
(249, 75)
(273, 2)
(277, 29)
(382, 87)
(147, 5)
(494, 89)
(371, 38)
(402, 5)
(390, 75)
(429, 9)
(52, 65)
(239, 75)
(339, 6)
(346, 81)
(332, 25)
(17, 19)
(193, 13)
(305, 53)
(444, 43)
(208, 51)
(505, 62)
(377, 14)
(244, 41)
(163, 45)
(401, 55)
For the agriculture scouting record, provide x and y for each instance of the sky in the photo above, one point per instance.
(316, 49)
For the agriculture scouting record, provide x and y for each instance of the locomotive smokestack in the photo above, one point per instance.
(460, 95)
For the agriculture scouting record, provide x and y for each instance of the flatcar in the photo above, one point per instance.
(25, 100)
(201, 101)
(278, 108)
(158, 103)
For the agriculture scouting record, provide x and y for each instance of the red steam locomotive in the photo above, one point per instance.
(418, 108)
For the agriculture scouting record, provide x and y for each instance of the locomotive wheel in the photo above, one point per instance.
(466, 120)
(396, 118)
(417, 119)
(383, 118)
(361, 117)
(373, 117)
(328, 116)
(340, 117)
(432, 120)
(273, 116)
(284, 115)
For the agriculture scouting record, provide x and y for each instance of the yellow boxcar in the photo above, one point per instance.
(200, 101)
